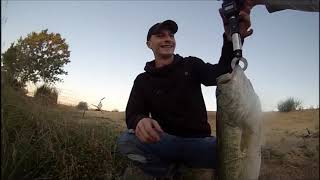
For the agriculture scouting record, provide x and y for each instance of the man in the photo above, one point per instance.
(166, 114)
(276, 5)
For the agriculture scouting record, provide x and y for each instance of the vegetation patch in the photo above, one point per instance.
(47, 142)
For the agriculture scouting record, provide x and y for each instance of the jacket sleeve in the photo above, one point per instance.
(302, 5)
(207, 73)
(136, 107)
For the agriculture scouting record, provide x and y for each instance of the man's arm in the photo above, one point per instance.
(302, 5)
(276, 5)
(137, 115)
(207, 73)
(136, 107)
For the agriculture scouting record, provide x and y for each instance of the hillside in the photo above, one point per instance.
(55, 142)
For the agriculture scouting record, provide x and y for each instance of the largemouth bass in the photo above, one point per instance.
(239, 125)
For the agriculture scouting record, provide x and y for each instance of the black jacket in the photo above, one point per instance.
(172, 94)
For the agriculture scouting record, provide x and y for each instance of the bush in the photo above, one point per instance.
(289, 104)
(47, 95)
(82, 105)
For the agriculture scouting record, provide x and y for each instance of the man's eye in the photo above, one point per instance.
(159, 35)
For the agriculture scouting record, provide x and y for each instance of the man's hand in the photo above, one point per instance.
(244, 24)
(148, 130)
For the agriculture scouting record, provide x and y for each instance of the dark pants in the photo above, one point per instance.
(162, 158)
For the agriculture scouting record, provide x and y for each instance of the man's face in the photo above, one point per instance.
(162, 44)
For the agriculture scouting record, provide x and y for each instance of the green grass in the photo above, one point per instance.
(51, 142)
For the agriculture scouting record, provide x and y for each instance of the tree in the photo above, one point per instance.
(12, 68)
(38, 57)
(83, 106)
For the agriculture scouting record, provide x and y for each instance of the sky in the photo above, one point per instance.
(107, 40)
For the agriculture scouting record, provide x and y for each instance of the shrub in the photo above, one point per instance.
(47, 95)
(83, 106)
(290, 104)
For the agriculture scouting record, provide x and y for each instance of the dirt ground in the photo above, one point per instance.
(291, 149)
(290, 146)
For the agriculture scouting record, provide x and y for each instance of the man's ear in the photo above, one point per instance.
(148, 44)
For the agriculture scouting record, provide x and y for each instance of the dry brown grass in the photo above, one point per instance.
(289, 152)
(54, 142)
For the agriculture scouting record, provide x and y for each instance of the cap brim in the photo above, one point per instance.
(168, 24)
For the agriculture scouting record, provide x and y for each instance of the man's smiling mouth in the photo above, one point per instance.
(167, 46)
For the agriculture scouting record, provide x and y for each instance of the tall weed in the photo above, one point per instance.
(51, 142)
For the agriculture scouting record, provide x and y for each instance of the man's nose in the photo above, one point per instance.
(168, 38)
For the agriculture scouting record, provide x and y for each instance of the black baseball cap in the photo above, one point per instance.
(168, 25)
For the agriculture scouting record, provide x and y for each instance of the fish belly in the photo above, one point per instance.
(238, 122)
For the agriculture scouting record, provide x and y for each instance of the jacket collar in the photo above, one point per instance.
(150, 66)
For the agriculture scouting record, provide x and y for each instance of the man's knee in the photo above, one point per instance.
(128, 145)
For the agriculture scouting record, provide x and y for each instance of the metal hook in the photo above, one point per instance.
(235, 61)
